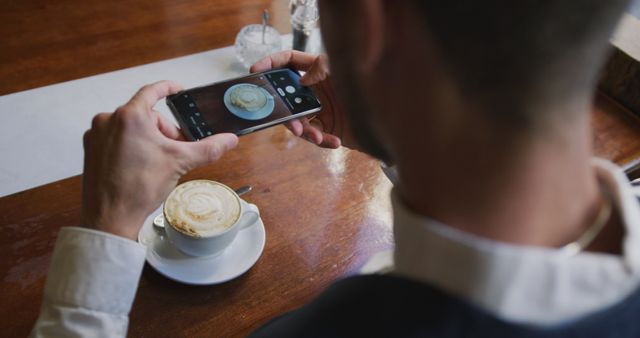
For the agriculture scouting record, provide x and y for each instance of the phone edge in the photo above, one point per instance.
(239, 77)
(184, 128)
(276, 122)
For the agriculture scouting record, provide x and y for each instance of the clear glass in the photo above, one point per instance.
(254, 42)
(304, 18)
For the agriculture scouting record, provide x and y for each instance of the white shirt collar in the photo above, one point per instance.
(524, 284)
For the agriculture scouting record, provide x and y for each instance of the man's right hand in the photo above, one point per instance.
(134, 158)
(330, 128)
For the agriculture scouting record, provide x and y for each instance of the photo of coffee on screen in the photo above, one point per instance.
(248, 101)
(238, 105)
(243, 105)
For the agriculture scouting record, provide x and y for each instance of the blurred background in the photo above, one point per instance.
(635, 8)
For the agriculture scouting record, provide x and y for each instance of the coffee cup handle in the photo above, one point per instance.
(250, 215)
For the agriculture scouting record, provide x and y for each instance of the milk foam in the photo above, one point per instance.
(202, 208)
(248, 97)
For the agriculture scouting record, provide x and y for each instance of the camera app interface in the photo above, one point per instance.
(248, 102)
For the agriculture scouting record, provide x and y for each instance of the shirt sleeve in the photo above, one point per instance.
(91, 285)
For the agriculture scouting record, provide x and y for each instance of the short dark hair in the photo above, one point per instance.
(509, 54)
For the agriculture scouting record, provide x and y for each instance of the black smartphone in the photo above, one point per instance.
(243, 105)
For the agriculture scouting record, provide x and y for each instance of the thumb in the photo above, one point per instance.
(312, 77)
(317, 72)
(208, 150)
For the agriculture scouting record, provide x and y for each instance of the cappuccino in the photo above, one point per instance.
(202, 208)
(248, 97)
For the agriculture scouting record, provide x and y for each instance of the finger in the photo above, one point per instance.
(295, 126)
(168, 129)
(318, 72)
(292, 58)
(330, 141)
(100, 120)
(207, 150)
(149, 95)
(86, 138)
(311, 133)
(316, 128)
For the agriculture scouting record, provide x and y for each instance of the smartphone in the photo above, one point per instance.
(243, 105)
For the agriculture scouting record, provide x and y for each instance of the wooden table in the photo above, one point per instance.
(325, 212)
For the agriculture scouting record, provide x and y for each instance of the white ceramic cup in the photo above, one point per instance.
(200, 246)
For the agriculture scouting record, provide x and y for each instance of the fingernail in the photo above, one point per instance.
(304, 79)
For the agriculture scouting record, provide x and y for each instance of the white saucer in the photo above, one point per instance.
(235, 260)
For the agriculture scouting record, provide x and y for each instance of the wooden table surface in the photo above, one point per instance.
(325, 211)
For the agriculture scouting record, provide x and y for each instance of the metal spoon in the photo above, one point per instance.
(158, 221)
(265, 21)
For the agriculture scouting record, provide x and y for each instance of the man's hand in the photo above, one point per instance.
(330, 128)
(134, 158)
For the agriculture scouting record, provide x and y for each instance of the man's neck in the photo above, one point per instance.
(543, 191)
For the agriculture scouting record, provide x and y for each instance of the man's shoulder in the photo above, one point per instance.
(379, 306)
(367, 305)
(391, 306)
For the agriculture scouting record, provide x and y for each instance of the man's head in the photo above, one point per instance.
(512, 66)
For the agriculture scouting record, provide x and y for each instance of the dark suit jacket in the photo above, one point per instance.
(388, 306)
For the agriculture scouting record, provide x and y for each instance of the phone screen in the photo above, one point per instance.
(243, 105)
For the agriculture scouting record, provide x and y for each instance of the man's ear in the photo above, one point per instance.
(371, 37)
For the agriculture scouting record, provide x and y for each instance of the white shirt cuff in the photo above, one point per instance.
(94, 270)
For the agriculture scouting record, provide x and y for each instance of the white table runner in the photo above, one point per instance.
(41, 130)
